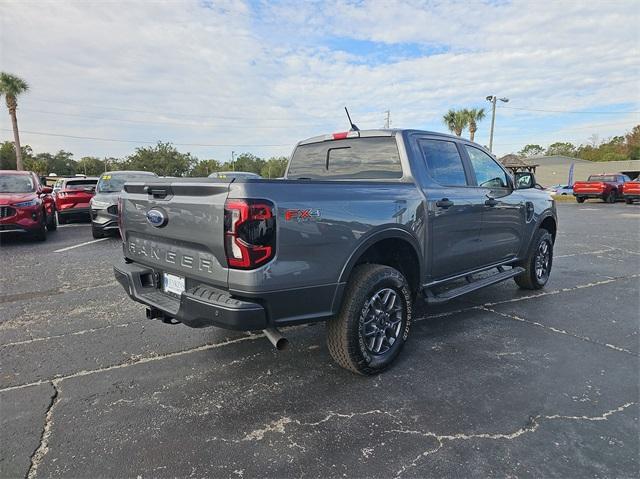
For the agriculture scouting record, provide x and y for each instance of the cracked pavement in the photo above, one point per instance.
(501, 382)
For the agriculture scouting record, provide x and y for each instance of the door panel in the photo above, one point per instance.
(503, 214)
(455, 230)
(454, 209)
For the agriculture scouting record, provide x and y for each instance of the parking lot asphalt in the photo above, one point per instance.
(502, 382)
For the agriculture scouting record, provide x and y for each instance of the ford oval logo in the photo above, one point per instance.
(156, 218)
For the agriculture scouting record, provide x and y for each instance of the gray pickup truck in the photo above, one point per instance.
(363, 224)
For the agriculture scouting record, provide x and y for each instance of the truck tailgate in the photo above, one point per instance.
(177, 226)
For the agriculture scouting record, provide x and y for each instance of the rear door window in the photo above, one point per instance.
(372, 158)
(444, 162)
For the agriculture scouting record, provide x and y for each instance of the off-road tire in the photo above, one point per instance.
(579, 199)
(345, 340)
(528, 279)
(96, 233)
(52, 223)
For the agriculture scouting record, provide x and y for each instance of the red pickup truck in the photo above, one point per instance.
(607, 187)
(631, 191)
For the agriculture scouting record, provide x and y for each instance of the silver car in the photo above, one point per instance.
(104, 205)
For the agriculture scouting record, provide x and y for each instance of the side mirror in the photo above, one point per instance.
(46, 190)
(524, 180)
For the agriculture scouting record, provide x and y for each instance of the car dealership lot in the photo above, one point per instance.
(501, 382)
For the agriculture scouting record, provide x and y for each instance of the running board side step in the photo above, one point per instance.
(472, 285)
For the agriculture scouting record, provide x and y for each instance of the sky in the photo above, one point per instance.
(216, 77)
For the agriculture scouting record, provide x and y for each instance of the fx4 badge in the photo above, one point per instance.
(301, 215)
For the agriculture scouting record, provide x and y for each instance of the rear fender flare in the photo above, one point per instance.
(374, 237)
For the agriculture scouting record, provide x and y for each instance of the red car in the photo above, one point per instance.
(607, 187)
(72, 197)
(25, 205)
(631, 191)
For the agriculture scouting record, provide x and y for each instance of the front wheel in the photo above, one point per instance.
(41, 233)
(374, 320)
(579, 199)
(96, 232)
(538, 263)
(611, 197)
(52, 223)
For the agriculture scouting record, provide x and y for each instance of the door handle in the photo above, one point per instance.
(491, 201)
(444, 203)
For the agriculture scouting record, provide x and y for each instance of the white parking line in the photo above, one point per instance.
(73, 225)
(81, 244)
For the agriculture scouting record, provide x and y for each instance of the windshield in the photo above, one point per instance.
(16, 184)
(114, 183)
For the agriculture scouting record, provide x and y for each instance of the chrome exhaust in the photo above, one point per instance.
(278, 340)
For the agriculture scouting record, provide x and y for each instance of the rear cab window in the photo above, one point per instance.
(370, 158)
(80, 184)
(606, 178)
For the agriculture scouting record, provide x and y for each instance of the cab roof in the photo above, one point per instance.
(371, 133)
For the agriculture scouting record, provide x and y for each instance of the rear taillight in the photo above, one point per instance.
(249, 233)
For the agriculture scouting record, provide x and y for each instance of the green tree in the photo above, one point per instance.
(274, 167)
(531, 150)
(474, 116)
(8, 155)
(632, 142)
(12, 87)
(36, 165)
(205, 167)
(62, 163)
(163, 159)
(456, 121)
(562, 149)
(90, 166)
(247, 162)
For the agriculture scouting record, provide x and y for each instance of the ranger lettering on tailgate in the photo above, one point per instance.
(147, 249)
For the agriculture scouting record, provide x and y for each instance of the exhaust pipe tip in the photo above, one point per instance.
(278, 340)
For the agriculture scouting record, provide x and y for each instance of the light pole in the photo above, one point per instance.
(233, 165)
(493, 99)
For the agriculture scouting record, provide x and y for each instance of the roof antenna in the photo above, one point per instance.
(353, 126)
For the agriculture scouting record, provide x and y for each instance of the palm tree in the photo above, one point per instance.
(456, 121)
(12, 87)
(474, 115)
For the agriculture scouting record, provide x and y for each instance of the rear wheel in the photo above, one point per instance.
(580, 199)
(96, 232)
(611, 197)
(538, 263)
(62, 219)
(628, 201)
(373, 324)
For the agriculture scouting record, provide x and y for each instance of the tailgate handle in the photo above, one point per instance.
(156, 192)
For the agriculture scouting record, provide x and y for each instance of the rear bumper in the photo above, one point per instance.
(74, 211)
(197, 307)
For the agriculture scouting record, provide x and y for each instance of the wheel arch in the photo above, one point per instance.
(550, 224)
(393, 247)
